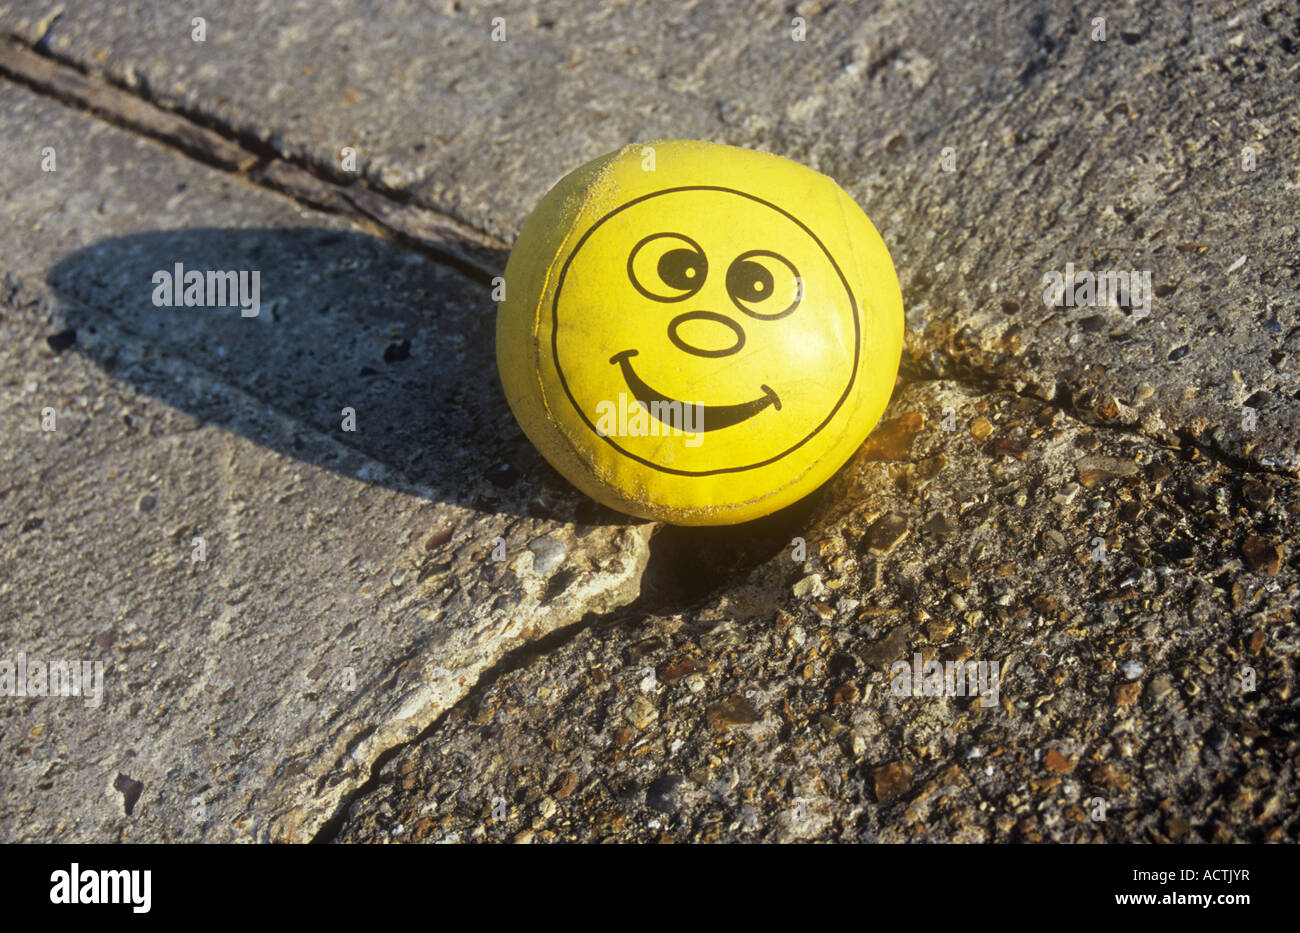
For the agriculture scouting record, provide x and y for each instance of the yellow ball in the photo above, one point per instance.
(698, 333)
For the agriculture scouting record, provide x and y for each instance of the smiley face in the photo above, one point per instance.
(697, 333)
(719, 315)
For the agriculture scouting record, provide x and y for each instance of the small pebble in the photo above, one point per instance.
(1262, 554)
(734, 711)
(810, 586)
(891, 781)
(1257, 495)
(548, 553)
(1125, 694)
(887, 531)
(1067, 494)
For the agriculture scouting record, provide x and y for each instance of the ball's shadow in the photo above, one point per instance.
(344, 321)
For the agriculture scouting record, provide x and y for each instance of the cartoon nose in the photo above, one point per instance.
(707, 335)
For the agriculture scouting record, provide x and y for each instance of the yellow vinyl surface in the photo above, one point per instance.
(698, 333)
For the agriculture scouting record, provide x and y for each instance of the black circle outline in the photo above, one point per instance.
(685, 347)
(636, 283)
(555, 333)
(788, 264)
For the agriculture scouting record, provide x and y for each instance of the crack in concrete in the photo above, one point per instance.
(384, 212)
(517, 659)
(663, 593)
(994, 382)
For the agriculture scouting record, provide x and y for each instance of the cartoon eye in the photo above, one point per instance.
(764, 284)
(667, 267)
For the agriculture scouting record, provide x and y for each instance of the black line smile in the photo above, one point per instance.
(712, 417)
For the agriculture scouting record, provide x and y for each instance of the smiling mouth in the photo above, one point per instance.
(712, 417)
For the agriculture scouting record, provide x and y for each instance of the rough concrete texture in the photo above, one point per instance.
(1124, 590)
(1127, 154)
(743, 694)
(347, 590)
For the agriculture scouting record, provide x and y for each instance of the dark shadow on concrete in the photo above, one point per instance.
(346, 320)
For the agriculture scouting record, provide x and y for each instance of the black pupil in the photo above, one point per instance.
(749, 281)
(680, 268)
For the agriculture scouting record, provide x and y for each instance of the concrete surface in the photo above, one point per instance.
(767, 710)
(655, 683)
(346, 591)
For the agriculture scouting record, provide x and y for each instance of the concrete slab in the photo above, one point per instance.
(275, 600)
(1131, 610)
